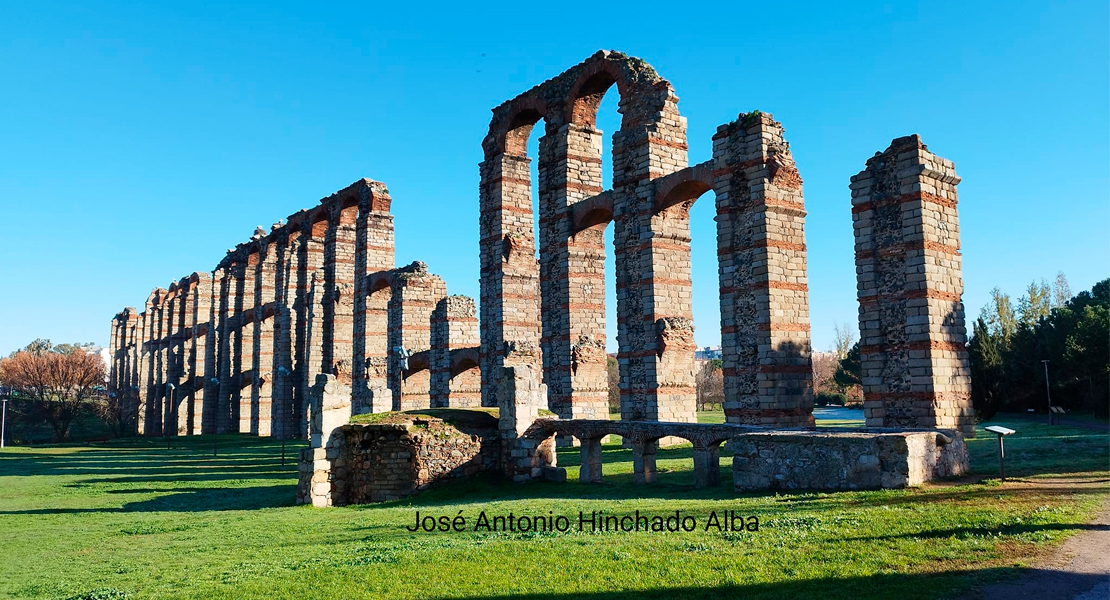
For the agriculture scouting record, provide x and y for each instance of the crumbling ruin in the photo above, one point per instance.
(311, 322)
(236, 350)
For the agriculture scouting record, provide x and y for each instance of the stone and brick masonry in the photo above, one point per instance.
(238, 350)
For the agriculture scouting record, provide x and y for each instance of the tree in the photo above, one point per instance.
(999, 315)
(1061, 291)
(849, 371)
(710, 384)
(843, 340)
(1073, 335)
(824, 367)
(59, 384)
(987, 370)
(1035, 304)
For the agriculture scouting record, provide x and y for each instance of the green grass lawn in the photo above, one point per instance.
(133, 519)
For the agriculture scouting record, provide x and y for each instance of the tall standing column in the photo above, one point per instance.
(909, 269)
(373, 254)
(414, 297)
(200, 368)
(454, 330)
(572, 275)
(765, 344)
(510, 295)
(248, 352)
(314, 289)
(285, 319)
(654, 314)
(339, 275)
(263, 383)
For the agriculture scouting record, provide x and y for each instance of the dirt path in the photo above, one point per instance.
(1078, 570)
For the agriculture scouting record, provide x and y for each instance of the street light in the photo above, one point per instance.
(1001, 431)
(3, 422)
(1047, 393)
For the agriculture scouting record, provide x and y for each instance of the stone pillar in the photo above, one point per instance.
(654, 314)
(590, 469)
(572, 275)
(909, 278)
(527, 451)
(248, 350)
(266, 318)
(234, 322)
(313, 302)
(764, 290)
(373, 254)
(510, 294)
(339, 282)
(330, 409)
(414, 296)
(643, 460)
(186, 394)
(707, 464)
(201, 341)
(226, 335)
(455, 382)
(285, 326)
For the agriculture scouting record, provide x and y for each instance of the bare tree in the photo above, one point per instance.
(824, 367)
(1061, 291)
(845, 336)
(710, 384)
(57, 383)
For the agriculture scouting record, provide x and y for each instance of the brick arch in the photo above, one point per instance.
(593, 211)
(382, 280)
(348, 211)
(464, 359)
(643, 92)
(317, 221)
(686, 185)
(512, 125)
(586, 94)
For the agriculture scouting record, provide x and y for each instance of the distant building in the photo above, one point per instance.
(708, 353)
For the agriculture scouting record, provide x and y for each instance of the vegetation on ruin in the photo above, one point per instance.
(133, 519)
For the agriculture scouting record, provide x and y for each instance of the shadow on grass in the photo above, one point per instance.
(906, 587)
(186, 500)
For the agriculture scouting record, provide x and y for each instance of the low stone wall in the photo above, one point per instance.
(845, 460)
(402, 454)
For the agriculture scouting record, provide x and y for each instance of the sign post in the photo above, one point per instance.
(1001, 432)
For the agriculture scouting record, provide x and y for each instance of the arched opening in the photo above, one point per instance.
(466, 384)
(373, 380)
(575, 211)
(693, 222)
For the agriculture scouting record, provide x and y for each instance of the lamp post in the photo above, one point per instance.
(1047, 392)
(3, 422)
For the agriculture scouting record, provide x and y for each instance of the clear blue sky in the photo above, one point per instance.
(137, 143)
